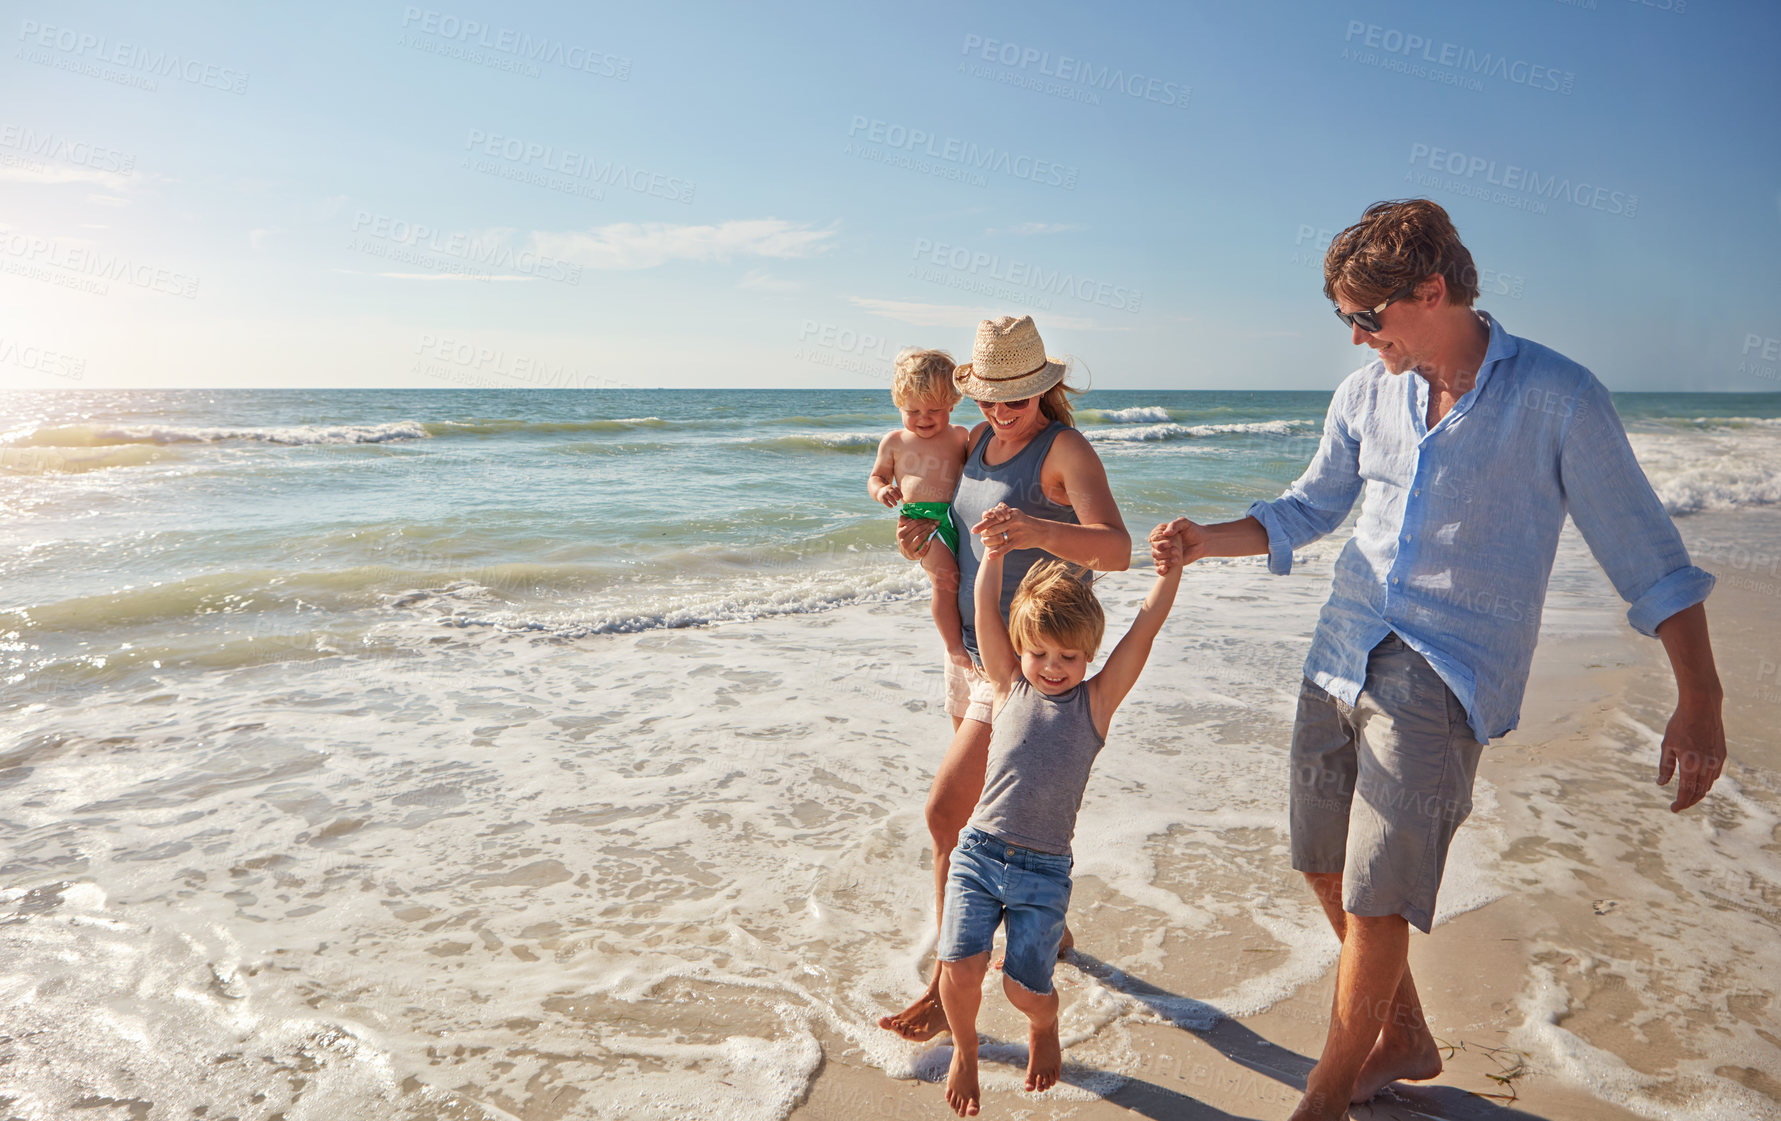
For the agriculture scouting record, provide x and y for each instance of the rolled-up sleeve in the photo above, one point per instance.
(1319, 500)
(1620, 516)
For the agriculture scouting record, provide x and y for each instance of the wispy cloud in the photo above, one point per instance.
(645, 245)
(56, 173)
(1027, 229)
(965, 316)
(479, 276)
(482, 276)
(760, 280)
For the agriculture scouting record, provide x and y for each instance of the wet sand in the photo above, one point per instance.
(1564, 998)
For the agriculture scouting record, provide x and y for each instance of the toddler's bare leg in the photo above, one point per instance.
(961, 988)
(943, 573)
(1045, 1059)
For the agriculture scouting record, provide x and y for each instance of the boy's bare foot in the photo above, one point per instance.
(922, 1020)
(1398, 1061)
(961, 1084)
(1045, 1059)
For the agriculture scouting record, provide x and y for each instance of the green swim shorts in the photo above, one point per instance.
(942, 512)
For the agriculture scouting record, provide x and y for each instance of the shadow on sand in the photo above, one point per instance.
(1265, 1069)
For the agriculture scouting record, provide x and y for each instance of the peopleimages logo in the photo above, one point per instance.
(1077, 79)
(473, 36)
(460, 360)
(534, 156)
(86, 268)
(1391, 42)
(380, 235)
(1024, 275)
(50, 146)
(36, 358)
(964, 155)
(1511, 184)
(85, 53)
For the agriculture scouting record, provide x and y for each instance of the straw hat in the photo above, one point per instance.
(1008, 362)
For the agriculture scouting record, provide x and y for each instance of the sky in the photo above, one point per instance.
(721, 195)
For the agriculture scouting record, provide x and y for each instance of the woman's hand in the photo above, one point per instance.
(995, 545)
(1009, 529)
(914, 535)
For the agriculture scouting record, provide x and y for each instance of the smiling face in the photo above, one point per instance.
(1401, 340)
(1014, 421)
(926, 417)
(1051, 667)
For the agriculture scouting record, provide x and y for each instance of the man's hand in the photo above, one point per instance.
(1167, 551)
(1189, 544)
(914, 535)
(1694, 741)
(1694, 744)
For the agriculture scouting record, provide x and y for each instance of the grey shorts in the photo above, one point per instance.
(1405, 748)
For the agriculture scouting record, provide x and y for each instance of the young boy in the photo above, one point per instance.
(918, 467)
(1013, 862)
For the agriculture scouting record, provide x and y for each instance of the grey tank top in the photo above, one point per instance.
(1040, 752)
(981, 486)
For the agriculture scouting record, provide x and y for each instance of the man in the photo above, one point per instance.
(1472, 446)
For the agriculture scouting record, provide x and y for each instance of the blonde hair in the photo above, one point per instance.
(1056, 404)
(923, 375)
(1054, 601)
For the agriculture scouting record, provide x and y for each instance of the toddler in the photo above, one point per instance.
(1012, 864)
(918, 468)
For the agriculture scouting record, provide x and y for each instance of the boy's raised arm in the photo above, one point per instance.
(1000, 662)
(1127, 660)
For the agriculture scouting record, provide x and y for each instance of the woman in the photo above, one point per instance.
(1028, 455)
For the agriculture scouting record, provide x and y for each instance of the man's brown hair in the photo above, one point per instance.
(1394, 245)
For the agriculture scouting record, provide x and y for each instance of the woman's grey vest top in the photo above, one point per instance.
(1015, 482)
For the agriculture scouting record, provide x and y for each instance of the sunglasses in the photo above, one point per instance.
(1014, 405)
(1368, 320)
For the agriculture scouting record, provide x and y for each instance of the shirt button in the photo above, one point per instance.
(1394, 579)
(1408, 536)
(1417, 493)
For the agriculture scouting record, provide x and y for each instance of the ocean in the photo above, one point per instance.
(442, 753)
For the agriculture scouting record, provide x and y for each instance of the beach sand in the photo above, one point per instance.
(682, 873)
(1569, 982)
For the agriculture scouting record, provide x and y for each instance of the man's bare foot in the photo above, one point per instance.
(1045, 1060)
(1313, 1107)
(1398, 1061)
(922, 1020)
(961, 1084)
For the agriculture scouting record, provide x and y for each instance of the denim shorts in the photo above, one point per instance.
(991, 879)
(1380, 788)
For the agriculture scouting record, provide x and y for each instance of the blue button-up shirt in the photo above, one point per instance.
(1456, 539)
